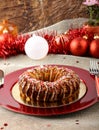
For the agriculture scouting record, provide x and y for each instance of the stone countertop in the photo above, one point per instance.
(87, 119)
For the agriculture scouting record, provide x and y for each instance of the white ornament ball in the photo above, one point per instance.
(36, 47)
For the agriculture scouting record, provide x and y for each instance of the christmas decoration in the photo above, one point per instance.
(78, 46)
(8, 27)
(36, 47)
(11, 45)
(60, 44)
(94, 48)
(80, 32)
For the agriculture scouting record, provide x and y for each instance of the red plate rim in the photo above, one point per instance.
(8, 102)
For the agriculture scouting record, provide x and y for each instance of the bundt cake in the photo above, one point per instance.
(48, 83)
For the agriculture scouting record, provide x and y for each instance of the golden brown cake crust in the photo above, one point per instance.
(48, 84)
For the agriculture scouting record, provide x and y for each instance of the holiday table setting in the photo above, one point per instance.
(67, 44)
(14, 118)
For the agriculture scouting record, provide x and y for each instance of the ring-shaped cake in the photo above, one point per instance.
(48, 84)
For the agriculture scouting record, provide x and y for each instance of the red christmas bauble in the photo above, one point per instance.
(61, 44)
(94, 48)
(78, 46)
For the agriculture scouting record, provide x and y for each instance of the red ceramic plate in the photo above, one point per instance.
(7, 100)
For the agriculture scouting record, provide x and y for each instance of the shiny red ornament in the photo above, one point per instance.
(60, 44)
(78, 46)
(94, 48)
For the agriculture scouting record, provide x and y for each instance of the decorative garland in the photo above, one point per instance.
(58, 43)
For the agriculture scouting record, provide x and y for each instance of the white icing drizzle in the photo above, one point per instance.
(66, 77)
(40, 88)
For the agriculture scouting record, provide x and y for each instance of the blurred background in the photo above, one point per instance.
(31, 15)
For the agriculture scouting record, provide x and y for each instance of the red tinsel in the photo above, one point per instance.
(80, 32)
(10, 45)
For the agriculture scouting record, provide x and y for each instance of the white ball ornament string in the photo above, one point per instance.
(36, 47)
